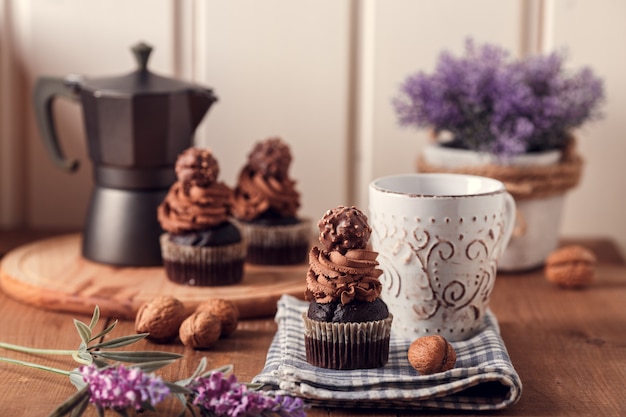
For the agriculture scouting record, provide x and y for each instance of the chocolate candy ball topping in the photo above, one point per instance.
(271, 157)
(344, 228)
(197, 166)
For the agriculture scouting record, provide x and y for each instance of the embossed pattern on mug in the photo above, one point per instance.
(437, 289)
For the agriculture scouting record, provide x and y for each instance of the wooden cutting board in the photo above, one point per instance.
(51, 274)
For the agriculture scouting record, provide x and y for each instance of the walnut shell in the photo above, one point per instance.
(571, 267)
(160, 317)
(200, 330)
(431, 354)
(225, 310)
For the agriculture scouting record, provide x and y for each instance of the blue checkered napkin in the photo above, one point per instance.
(483, 379)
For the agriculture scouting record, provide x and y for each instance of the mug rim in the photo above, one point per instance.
(374, 184)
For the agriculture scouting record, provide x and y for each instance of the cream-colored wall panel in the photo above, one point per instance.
(280, 67)
(594, 34)
(407, 37)
(91, 38)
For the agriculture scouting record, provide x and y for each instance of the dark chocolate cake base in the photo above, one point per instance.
(355, 311)
(223, 234)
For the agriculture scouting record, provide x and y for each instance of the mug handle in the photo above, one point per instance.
(510, 215)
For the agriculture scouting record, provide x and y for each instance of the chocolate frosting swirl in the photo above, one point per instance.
(188, 207)
(345, 277)
(196, 201)
(264, 185)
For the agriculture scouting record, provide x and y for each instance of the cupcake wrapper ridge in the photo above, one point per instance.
(203, 266)
(345, 346)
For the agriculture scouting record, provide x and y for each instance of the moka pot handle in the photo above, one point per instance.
(47, 89)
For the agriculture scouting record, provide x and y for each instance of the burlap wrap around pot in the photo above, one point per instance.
(538, 182)
(525, 182)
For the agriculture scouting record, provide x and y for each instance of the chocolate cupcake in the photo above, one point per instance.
(266, 204)
(347, 325)
(201, 246)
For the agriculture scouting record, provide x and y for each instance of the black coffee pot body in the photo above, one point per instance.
(136, 125)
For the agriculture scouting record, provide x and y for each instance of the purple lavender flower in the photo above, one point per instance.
(491, 103)
(217, 395)
(289, 406)
(120, 387)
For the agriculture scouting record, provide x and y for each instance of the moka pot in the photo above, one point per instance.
(136, 125)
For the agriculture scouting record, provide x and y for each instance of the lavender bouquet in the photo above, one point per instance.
(104, 381)
(486, 101)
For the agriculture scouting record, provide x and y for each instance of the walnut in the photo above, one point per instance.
(160, 317)
(225, 310)
(571, 267)
(431, 354)
(200, 330)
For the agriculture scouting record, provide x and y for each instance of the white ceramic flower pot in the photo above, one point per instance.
(539, 219)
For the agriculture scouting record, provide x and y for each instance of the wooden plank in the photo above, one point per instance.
(566, 345)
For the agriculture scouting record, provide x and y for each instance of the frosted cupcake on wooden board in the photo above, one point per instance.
(201, 246)
(265, 205)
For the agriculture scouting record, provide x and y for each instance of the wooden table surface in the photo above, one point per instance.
(568, 346)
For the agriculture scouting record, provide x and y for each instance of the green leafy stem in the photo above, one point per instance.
(99, 353)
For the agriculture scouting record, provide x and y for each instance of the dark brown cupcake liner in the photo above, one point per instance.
(203, 266)
(277, 245)
(347, 346)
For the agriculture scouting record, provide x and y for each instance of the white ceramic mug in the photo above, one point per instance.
(439, 237)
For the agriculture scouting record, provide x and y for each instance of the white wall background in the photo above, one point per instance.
(319, 73)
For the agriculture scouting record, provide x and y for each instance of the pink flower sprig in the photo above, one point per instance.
(121, 387)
